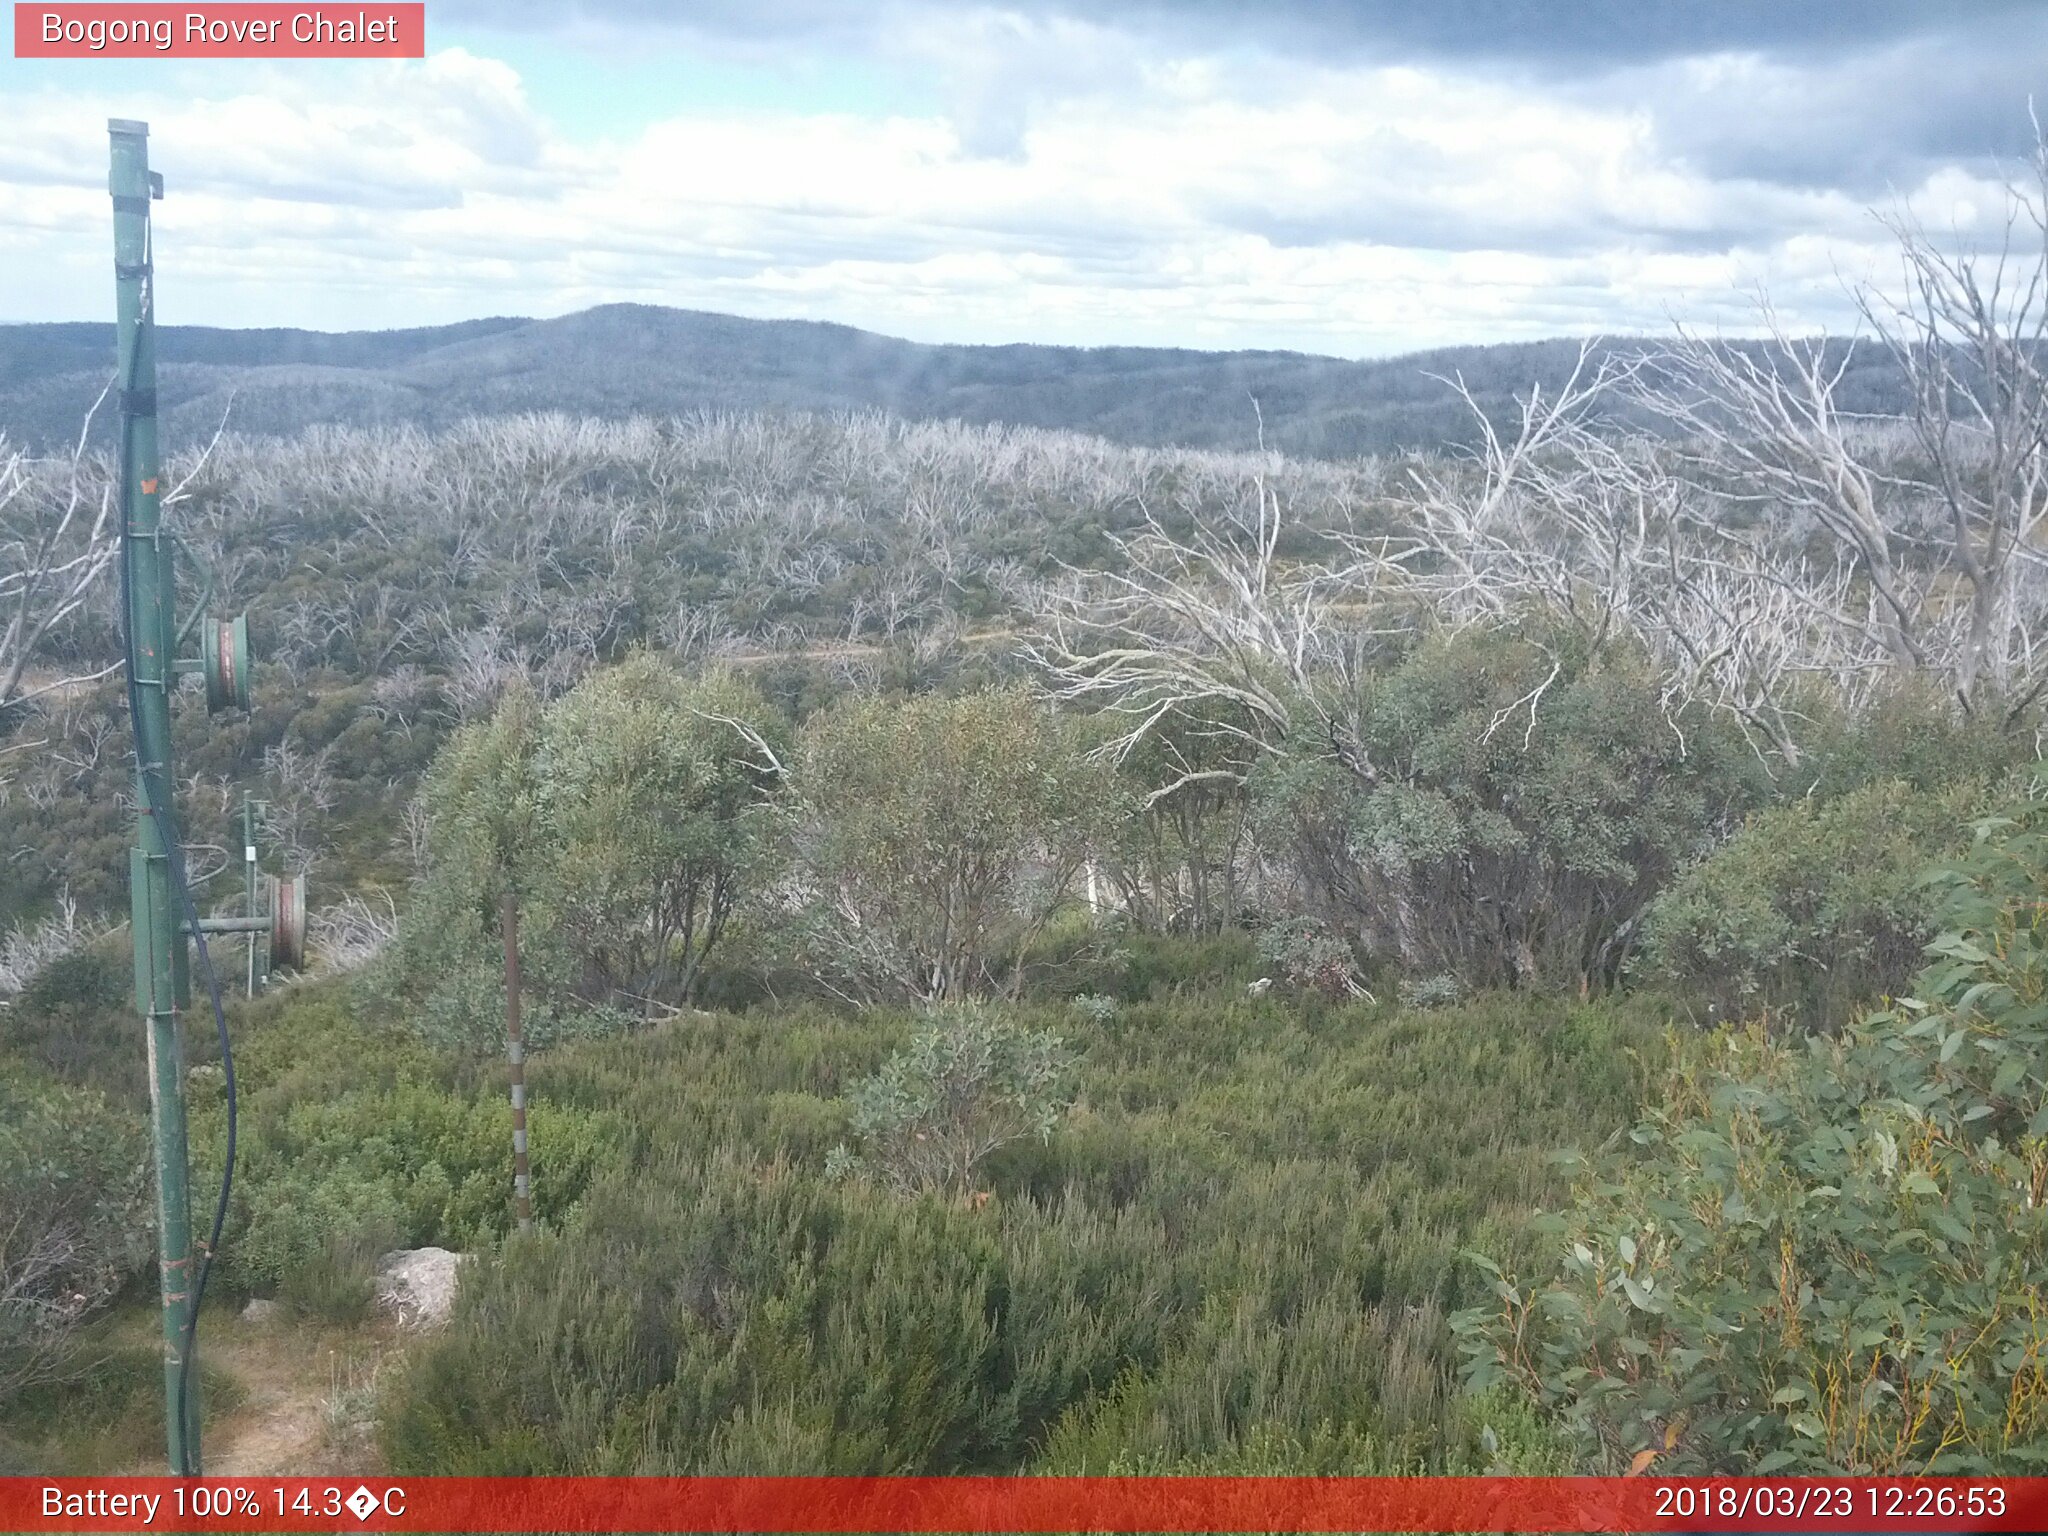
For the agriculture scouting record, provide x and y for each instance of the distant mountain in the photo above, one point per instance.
(631, 359)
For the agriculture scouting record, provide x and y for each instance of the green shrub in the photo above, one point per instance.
(1094, 1008)
(630, 816)
(1081, 953)
(292, 1231)
(702, 1309)
(75, 1020)
(934, 839)
(1306, 954)
(73, 1226)
(111, 1415)
(1911, 732)
(1513, 811)
(1249, 1198)
(1438, 991)
(1813, 909)
(1822, 1256)
(414, 1166)
(348, 1143)
(338, 1283)
(1492, 1434)
(970, 1082)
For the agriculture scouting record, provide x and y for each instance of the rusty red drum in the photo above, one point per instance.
(288, 923)
(226, 657)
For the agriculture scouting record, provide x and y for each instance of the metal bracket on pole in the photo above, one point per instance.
(283, 923)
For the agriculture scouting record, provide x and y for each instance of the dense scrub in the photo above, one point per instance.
(1821, 1255)
(1245, 1234)
(1812, 909)
(1220, 1180)
(1501, 841)
(72, 1169)
(397, 581)
(355, 1139)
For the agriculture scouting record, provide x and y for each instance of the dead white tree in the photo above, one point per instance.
(1554, 518)
(412, 837)
(1218, 631)
(1759, 423)
(1970, 334)
(301, 790)
(1934, 567)
(58, 534)
(481, 663)
(1602, 534)
(27, 947)
(353, 932)
(1549, 514)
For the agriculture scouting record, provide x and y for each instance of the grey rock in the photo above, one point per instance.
(417, 1285)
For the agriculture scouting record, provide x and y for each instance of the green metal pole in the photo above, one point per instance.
(152, 622)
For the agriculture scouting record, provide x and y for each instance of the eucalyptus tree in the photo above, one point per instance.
(628, 818)
(655, 790)
(935, 838)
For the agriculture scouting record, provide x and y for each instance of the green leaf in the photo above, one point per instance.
(1640, 1296)
(1958, 947)
(1950, 1228)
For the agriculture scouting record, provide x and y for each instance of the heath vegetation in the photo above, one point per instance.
(1047, 955)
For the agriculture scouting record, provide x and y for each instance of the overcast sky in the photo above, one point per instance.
(1352, 178)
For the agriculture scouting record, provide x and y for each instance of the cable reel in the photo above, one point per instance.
(224, 658)
(287, 902)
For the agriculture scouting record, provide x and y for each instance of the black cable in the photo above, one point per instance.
(165, 817)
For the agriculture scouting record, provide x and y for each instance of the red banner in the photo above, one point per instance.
(221, 31)
(1024, 1504)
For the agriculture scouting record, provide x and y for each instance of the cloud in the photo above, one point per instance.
(1586, 34)
(1856, 96)
(1382, 31)
(1081, 179)
(404, 137)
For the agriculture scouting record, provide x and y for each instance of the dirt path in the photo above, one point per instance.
(838, 650)
(304, 1398)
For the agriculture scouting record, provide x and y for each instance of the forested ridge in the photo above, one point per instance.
(1052, 954)
(624, 360)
